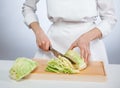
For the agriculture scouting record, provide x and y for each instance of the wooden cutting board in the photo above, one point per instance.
(95, 72)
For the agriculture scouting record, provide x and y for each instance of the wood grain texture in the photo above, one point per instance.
(95, 72)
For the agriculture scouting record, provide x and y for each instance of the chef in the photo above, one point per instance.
(74, 26)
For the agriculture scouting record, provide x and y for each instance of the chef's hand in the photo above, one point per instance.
(42, 41)
(41, 38)
(83, 42)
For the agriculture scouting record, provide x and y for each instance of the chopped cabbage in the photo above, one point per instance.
(75, 57)
(22, 67)
(63, 65)
(60, 65)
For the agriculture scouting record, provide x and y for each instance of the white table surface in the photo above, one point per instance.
(113, 80)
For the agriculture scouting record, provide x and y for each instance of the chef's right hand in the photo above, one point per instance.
(42, 40)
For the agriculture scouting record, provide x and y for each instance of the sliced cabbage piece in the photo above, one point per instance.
(60, 65)
(22, 67)
(75, 57)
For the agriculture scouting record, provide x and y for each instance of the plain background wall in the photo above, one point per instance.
(16, 40)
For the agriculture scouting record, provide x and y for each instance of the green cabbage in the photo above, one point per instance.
(63, 65)
(22, 67)
(75, 57)
(60, 65)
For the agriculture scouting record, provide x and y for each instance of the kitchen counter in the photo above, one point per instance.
(113, 80)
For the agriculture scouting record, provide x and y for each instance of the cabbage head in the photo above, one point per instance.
(22, 67)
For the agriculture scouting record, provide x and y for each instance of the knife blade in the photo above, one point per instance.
(57, 53)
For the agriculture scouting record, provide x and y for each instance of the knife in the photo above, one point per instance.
(56, 53)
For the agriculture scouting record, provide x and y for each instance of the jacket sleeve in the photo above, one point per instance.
(107, 15)
(28, 11)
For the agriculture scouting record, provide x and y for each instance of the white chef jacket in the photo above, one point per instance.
(74, 10)
(68, 17)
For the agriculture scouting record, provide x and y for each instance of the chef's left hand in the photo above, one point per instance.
(83, 42)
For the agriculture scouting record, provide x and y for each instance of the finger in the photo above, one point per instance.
(72, 46)
(87, 55)
(39, 44)
(47, 45)
(86, 60)
(43, 42)
(43, 45)
(82, 53)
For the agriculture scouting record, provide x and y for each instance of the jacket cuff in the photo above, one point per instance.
(30, 18)
(104, 27)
